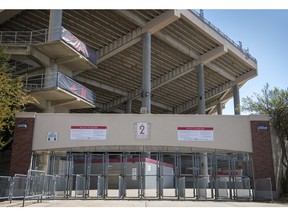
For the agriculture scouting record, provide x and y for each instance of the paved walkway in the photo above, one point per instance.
(138, 203)
(139, 208)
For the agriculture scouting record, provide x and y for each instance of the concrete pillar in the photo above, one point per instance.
(55, 24)
(201, 89)
(236, 97)
(204, 164)
(42, 161)
(201, 110)
(51, 75)
(49, 107)
(128, 106)
(146, 73)
(219, 108)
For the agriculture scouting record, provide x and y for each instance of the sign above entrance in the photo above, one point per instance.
(195, 133)
(88, 132)
(142, 130)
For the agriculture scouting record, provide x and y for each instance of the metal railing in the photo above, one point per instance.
(23, 37)
(34, 186)
(218, 31)
(59, 80)
(18, 186)
(37, 185)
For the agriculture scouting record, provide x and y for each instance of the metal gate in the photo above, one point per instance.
(152, 175)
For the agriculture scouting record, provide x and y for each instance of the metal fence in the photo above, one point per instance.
(80, 186)
(75, 181)
(37, 185)
(5, 187)
(18, 186)
(263, 189)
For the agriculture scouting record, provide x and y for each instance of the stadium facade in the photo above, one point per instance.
(128, 101)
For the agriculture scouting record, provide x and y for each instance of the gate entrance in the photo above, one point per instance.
(127, 175)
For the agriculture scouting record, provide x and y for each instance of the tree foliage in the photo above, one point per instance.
(273, 102)
(13, 98)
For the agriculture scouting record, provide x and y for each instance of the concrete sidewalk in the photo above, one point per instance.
(138, 203)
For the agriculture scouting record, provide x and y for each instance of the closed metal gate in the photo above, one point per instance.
(204, 176)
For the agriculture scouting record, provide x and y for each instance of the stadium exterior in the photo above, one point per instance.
(127, 104)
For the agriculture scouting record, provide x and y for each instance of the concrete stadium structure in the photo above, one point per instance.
(127, 100)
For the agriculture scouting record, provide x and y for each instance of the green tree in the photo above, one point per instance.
(273, 102)
(13, 98)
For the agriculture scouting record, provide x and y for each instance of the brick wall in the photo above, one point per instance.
(262, 151)
(22, 146)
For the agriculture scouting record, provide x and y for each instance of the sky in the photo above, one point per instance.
(261, 26)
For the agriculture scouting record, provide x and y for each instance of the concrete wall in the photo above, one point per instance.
(230, 133)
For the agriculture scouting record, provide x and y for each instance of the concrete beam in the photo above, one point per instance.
(218, 90)
(36, 55)
(7, 14)
(40, 57)
(17, 50)
(131, 17)
(65, 60)
(212, 54)
(161, 21)
(201, 26)
(117, 91)
(62, 102)
(204, 59)
(200, 59)
(221, 71)
(134, 36)
(156, 83)
(101, 85)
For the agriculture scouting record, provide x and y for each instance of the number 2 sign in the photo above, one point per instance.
(142, 130)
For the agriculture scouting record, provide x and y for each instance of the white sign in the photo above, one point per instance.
(88, 132)
(195, 133)
(142, 130)
(134, 173)
(52, 136)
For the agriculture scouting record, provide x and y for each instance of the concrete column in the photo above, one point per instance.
(55, 24)
(42, 162)
(49, 107)
(201, 110)
(128, 106)
(204, 164)
(51, 75)
(219, 108)
(146, 73)
(236, 97)
(201, 89)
